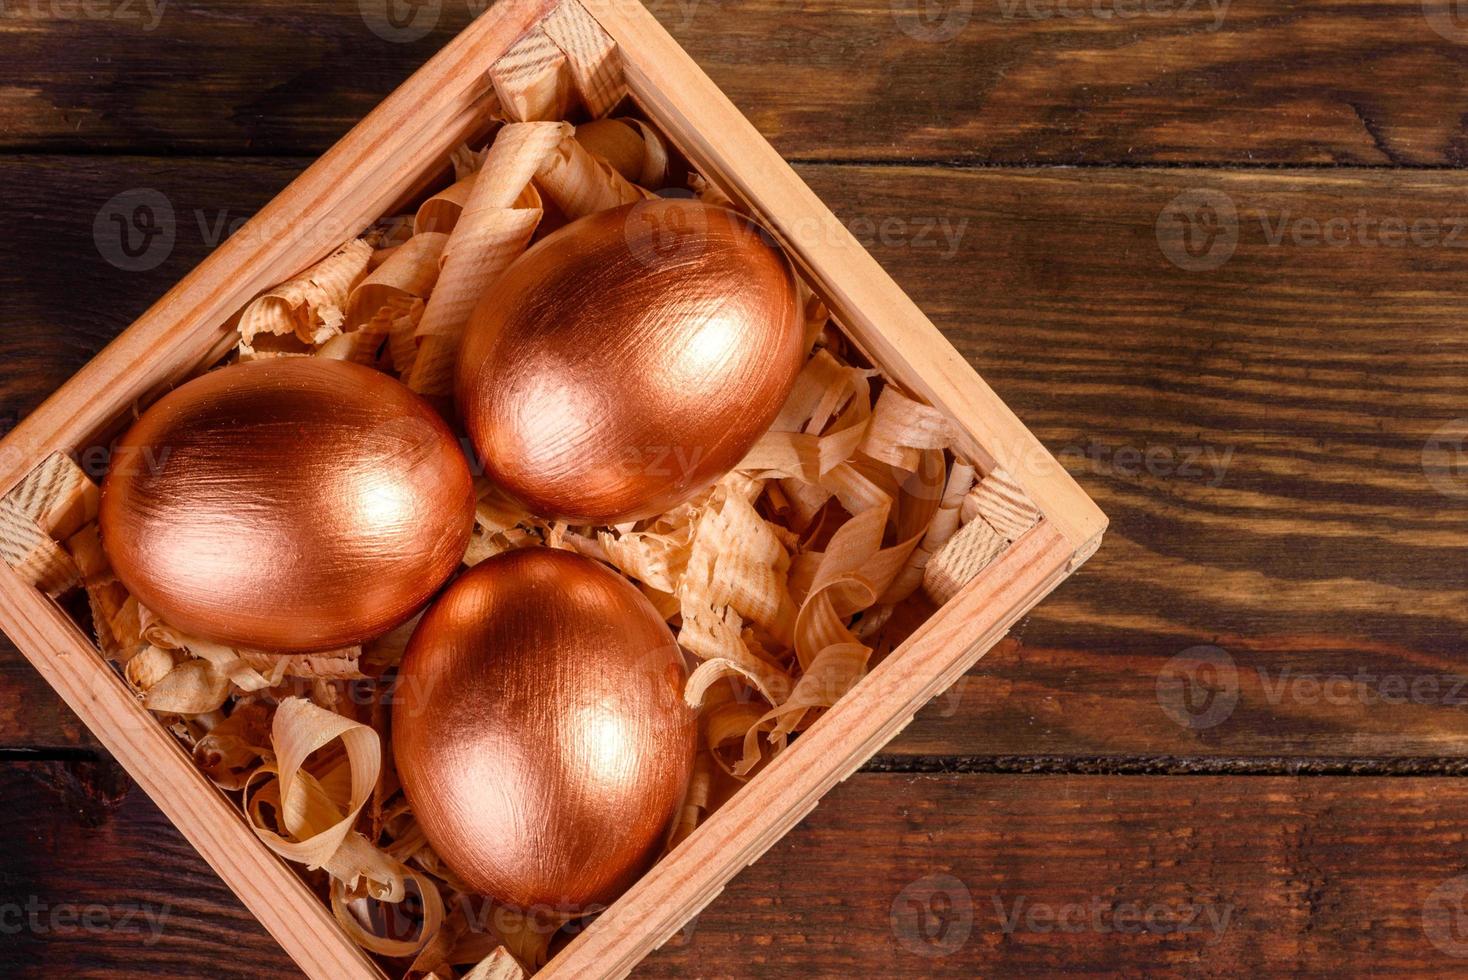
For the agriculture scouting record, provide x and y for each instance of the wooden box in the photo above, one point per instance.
(605, 48)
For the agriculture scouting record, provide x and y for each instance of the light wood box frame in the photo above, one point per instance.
(384, 160)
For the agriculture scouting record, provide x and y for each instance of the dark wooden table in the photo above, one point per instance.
(1215, 255)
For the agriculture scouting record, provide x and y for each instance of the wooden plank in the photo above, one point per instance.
(1009, 81)
(1285, 517)
(32, 716)
(112, 250)
(1267, 436)
(986, 82)
(96, 882)
(874, 882)
(1000, 876)
(273, 892)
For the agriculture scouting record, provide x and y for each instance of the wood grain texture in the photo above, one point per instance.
(1256, 431)
(592, 59)
(533, 79)
(274, 893)
(36, 518)
(893, 875)
(95, 882)
(1286, 396)
(1283, 586)
(954, 876)
(1003, 81)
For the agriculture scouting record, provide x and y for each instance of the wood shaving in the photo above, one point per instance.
(634, 149)
(499, 217)
(307, 311)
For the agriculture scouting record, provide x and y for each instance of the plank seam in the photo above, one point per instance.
(1167, 766)
(308, 155)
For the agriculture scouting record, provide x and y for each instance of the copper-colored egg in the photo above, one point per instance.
(290, 505)
(630, 359)
(540, 732)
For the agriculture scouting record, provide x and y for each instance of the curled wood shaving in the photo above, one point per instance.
(308, 310)
(231, 751)
(581, 183)
(389, 303)
(656, 558)
(940, 530)
(735, 572)
(634, 149)
(696, 802)
(358, 346)
(332, 665)
(315, 808)
(901, 428)
(440, 213)
(114, 611)
(191, 688)
(349, 914)
(709, 192)
(499, 217)
(146, 670)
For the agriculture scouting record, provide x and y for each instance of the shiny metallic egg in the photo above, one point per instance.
(289, 505)
(630, 359)
(540, 732)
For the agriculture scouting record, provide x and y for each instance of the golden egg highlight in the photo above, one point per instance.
(288, 505)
